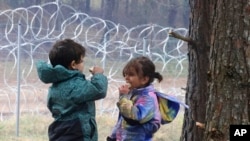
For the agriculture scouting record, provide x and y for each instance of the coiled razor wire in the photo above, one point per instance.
(108, 44)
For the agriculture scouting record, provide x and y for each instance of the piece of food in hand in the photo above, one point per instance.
(91, 69)
(129, 85)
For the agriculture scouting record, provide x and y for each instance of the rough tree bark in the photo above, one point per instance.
(228, 87)
(196, 96)
(219, 60)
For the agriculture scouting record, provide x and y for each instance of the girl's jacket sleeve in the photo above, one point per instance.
(116, 127)
(141, 111)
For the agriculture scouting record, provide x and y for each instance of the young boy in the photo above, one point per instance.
(71, 98)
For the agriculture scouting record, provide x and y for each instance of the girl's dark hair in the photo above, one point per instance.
(143, 66)
(65, 51)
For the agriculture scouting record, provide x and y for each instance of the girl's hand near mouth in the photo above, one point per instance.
(124, 89)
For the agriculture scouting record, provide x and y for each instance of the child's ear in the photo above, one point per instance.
(145, 80)
(73, 65)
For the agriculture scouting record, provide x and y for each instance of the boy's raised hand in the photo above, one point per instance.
(96, 69)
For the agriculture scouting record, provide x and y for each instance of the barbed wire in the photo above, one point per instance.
(108, 44)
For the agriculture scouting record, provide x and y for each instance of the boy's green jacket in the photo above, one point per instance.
(71, 101)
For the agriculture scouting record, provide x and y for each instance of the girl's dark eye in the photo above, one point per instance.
(129, 73)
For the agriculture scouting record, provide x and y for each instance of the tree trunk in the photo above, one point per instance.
(219, 57)
(196, 95)
(87, 6)
(172, 14)
(229, 86)
(108, 9)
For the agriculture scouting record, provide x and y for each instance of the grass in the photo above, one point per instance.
(34, 128)
(31, 128)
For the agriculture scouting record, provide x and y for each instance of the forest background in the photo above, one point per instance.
(169, 13)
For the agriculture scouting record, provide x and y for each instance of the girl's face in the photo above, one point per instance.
(134, 80)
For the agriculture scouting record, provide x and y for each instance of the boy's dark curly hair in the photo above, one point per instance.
(65, 51)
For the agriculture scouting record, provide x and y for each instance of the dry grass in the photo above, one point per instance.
(34, 128)
(31, 128)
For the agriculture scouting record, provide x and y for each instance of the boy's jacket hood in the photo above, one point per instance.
(49, 74)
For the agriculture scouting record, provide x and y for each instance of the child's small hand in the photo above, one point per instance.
(125, 106)
(124, 89)
(96, 69)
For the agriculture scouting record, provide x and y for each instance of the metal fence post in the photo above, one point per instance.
(18, 79)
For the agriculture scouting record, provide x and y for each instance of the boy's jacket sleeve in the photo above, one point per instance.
(91, 90)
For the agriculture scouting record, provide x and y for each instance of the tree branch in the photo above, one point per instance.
(178, 36)
(200, 125)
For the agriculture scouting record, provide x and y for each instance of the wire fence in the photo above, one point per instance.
(108, 44)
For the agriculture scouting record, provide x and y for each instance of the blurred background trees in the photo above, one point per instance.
(170, 13)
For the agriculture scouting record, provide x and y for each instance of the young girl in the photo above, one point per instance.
(71, 98)
(139, 116)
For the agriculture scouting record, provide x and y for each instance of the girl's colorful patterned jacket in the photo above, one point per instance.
(139, 116)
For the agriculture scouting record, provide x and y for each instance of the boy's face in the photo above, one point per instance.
(78, 66)
(133, 79)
